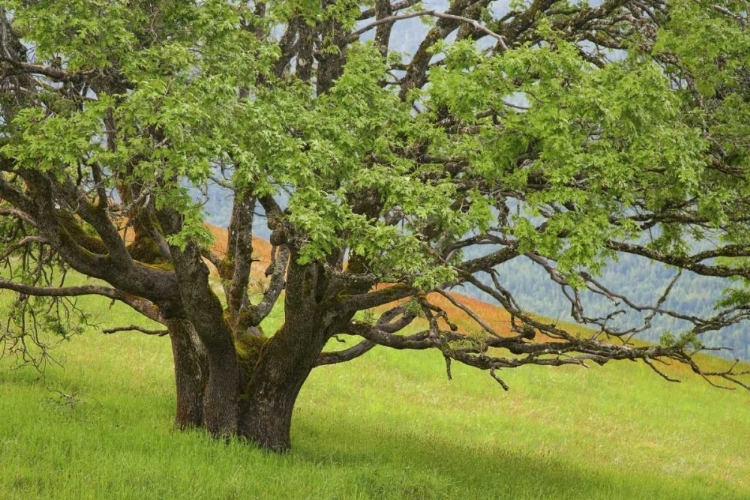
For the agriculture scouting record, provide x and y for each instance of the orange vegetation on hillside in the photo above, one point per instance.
(497, 317)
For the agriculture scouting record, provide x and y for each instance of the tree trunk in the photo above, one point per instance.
(266, 418)
(270, 392)
(191, 373)
(259, 406)
(206, 315)
(220, 404)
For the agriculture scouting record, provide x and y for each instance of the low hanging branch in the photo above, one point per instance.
(141, 305)
(19, 214)
(28, 240)
(134, 328)
(71, 291)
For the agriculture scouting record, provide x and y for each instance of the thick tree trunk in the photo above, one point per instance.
(270, 391)
(266, 413)
(220, 405)
(259, 406)
(206, 314)
(191, 373)
(206, 382)
(252, 383)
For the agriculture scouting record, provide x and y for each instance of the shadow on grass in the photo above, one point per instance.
(402, 464)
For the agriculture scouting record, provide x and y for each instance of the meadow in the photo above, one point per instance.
(388, 425)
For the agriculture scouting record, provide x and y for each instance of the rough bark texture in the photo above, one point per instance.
(268, 401)
(191, 373)
(206, 315)
(271, 376)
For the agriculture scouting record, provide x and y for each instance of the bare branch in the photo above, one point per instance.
(420, 340)
(141, 305)
(740, 20)
(252, 315)
(468, 311)
(395, 7)
(330, 358)
(690, 263)
(430, 13)
(28, 240)
(57, 74)
(19, 214)
(386, 295)
(661, 373)
(73, 291)
(135, 328)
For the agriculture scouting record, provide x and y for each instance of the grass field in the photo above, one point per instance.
(388, 425)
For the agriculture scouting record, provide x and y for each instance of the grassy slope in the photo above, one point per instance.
(389, 425)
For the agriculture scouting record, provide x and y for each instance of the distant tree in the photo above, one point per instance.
(552, 131)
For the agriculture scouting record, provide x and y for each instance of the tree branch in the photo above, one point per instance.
(135, 328)
(395, 7)
(141, 305)
(431, 13)
(19, 214)
(386, 295)
(257, 313)
(28, 240)
(334, 357)
(691, 263)
(56, 74)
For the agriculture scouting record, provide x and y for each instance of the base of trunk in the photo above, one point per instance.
(251, 396)
(271, 433)
(191, 373)
(267, 405)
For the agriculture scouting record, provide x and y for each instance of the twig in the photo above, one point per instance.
(661, 373)
(499, 380)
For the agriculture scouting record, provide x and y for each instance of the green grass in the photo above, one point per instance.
(388, 425)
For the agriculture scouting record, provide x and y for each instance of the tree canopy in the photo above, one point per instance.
(554, 131)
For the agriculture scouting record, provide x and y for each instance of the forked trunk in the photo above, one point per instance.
(221, 397)
(249, 392)
(206, 382)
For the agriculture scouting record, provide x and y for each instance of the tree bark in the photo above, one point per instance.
(206, 314)
(191, 373)
(220, 404)
(275, 371)
(271, 384)
(268, 402)
(267, 419)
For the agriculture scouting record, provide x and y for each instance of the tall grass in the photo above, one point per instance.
(388, 425)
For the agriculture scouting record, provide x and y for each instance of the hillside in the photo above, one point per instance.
(568, 161)
(387, 425)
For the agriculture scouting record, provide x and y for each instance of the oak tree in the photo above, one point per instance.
(549, 130)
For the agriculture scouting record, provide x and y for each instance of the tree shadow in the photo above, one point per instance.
(404, 464)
